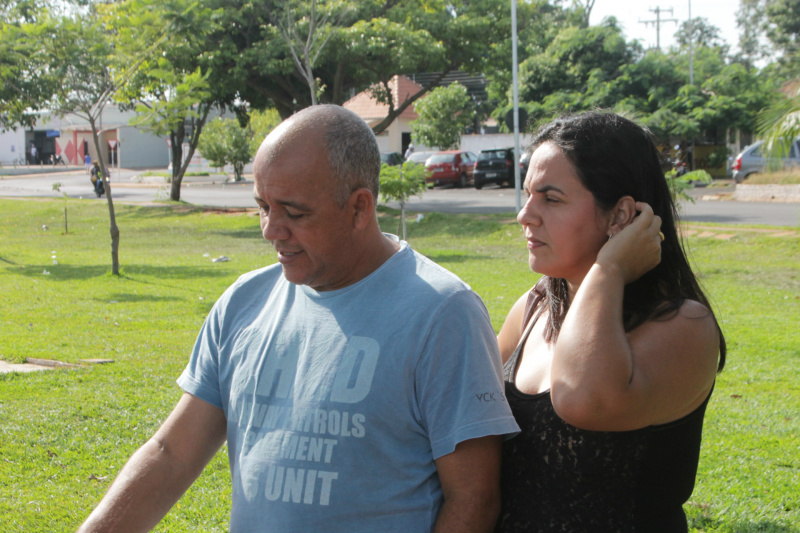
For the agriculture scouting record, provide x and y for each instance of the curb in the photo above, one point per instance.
(767, 193)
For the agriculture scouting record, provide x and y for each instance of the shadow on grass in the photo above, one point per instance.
(764, 526)
(137, 298)
(245, 233)
(438, 224)
(704, 522)
(444, 259)
(62, 272)
(170, 210)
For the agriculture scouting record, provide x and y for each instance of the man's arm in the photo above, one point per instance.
(470, 479)
(158, 474)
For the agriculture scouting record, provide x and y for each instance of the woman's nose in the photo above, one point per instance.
(528, 215)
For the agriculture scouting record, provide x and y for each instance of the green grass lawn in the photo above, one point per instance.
(64, 434)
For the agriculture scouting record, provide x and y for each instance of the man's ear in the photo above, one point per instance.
(363, 207)
(622, 214)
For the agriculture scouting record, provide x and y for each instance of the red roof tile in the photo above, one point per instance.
(371, 110)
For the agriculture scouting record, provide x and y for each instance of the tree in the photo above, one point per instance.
(751, 21)
(401, 182)
(305, 50)
(80, 53)
(443, 115)
(784, 32)
(225, 142)
(262, 122)
(175, 90)
(25, 83)
(573, 57)
(584, 8)
(700, 33)
(367, 47)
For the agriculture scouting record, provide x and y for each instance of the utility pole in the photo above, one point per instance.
(658, 22)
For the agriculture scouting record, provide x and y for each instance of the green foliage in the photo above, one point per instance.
(678, 185)
(779, 124)
(162, 116)
(401, 182)
(224, 142)
(368, 46)
(443, 115)
(261, 123)
(180, 78)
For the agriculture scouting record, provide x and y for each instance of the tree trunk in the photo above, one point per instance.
(176, 137)
(112, 219)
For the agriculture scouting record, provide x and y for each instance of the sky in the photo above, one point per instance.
(629, 13)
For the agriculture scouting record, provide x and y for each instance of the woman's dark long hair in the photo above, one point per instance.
(615, 157)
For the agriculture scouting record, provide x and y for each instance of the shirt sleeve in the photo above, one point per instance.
(200, 378)
(460, 392)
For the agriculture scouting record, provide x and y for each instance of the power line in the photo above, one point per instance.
(658, 22)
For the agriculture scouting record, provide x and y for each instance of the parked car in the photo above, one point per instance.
(496, 166)
(524, 161)
(752, 160)
(392, 158)
(420, 158)
(451, 166)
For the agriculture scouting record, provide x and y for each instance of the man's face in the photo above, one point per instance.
(299, 216)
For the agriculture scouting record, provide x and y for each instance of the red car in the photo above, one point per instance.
(451, 166)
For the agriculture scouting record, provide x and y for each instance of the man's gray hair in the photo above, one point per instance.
(353, 154)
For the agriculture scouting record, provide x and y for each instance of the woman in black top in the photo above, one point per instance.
(611, 358)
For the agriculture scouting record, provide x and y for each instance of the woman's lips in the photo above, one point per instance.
(534, 243)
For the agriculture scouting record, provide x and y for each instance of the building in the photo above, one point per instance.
(397, 136)
(71, 138)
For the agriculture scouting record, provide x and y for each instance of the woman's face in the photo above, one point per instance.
(564, 227)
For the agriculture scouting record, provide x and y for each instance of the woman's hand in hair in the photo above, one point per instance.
(634, 248)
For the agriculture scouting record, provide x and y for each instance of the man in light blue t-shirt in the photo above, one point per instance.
(356, 382)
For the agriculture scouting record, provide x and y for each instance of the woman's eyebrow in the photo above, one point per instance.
(548, 188)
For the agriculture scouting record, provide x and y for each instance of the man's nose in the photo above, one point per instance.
(273, 229)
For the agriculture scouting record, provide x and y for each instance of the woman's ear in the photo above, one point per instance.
(622, 214)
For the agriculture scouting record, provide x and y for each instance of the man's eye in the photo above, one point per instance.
(263, 211)
(551, 199)
(294, 216)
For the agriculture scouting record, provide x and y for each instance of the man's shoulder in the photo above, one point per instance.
(437, 276)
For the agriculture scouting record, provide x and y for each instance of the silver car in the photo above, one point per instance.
(752, 160)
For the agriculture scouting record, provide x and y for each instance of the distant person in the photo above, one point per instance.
(87, 160)
(356, 382)
(409, 151)
(97, 180)
(611, 357)
(34, 154)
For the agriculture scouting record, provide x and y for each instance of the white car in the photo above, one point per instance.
(419, 157)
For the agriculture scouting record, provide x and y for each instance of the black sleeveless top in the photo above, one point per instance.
(558, 478)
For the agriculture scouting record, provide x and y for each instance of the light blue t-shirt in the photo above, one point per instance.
(338, 402)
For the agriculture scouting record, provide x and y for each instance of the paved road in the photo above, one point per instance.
(214, 192)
